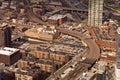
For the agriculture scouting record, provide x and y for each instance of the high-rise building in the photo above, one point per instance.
(95, 12)
(5, 36)
(117, 67)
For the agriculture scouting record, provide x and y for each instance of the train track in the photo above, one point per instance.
(91, 57)
(94, 50)
(79, 70)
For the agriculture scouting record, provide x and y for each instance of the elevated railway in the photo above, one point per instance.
(94, 50)
(92, 54)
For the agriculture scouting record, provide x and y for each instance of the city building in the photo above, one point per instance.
(42, 32)
(57, 56)
(95, 13)
(5, 35)
(93, 74)
(9, 56)
(31, 74)
(117, 67)
(53, 41)
(45, 66)
(57, 19)
(100, 75)
(8, 75)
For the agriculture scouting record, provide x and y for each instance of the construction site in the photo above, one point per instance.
(58, 40)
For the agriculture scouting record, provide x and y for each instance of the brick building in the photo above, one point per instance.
(5, 36)
(9, 56)
(57, 56)
(31, 74)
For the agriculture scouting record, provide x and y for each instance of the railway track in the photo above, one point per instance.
(79, 70)
(91, 57)
(94, 50)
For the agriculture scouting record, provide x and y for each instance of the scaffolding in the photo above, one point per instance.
(95, 12)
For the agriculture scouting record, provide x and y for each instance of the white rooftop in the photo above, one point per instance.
(56, 17)
(8, 51)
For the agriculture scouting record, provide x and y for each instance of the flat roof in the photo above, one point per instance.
(8, 51)
(56, 17)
